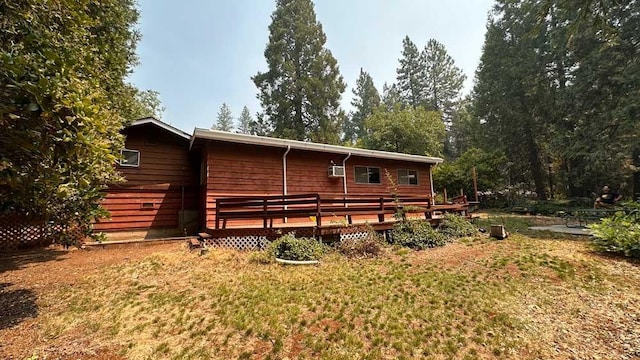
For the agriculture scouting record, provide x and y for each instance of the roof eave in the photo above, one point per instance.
(163, 125)
(301, 145)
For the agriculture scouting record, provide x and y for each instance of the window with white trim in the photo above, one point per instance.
(407, 177)
(367, 174)
(130, 158)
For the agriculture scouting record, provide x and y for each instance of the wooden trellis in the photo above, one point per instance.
(18, 231)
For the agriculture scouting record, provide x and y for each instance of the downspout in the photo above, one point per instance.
(284, 175)
(433, 194)
(344, 178)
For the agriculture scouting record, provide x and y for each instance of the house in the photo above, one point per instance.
(177, 181)
(161, 194)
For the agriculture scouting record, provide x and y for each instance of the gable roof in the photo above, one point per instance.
(224, 136)
(162, 125)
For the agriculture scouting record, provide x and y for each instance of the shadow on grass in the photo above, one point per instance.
(16, 305)
(19, 259)
(552, 235)
(614, 257)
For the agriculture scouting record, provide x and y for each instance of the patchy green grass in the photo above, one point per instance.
(519, 298)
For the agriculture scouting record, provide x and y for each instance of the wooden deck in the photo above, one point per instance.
(318, 213)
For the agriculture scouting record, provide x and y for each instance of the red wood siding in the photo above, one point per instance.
(392, 166)
(167, 178)
(237, 169)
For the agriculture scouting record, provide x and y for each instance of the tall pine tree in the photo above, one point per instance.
(300, 92)
(224, 122)
(558, 84)
(245, 121)
(366, 99)
(410, 77)
(441, 79)
(512, 93)
(594, 60)
(391, 96)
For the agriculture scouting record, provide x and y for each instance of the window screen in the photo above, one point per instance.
(130, 158)
(408, 177)
(367, 175)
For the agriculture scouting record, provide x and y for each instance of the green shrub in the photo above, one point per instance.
(417, 234)
(455, 226)
(288, 247)
(620, 233)
(367, 247)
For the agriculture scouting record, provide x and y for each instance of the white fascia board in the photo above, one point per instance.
(302, 145)
(162, 125)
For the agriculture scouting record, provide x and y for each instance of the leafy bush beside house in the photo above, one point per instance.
(417, 234)
(288, 247)
(65, 98)
(456, 226)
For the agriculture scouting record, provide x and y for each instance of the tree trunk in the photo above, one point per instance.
(636, 174)
(536, 168)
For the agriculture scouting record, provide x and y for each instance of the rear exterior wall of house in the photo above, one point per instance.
(161, 194)
(251, 170)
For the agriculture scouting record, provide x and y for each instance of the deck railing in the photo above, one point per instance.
(315, 206)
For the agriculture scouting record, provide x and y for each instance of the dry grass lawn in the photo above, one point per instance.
(523, 298)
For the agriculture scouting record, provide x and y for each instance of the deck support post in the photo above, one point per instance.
(264, 217)
(318, 211)
(217, 214)
(284, 179)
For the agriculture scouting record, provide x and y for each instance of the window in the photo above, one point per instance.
(408, 177)
(367, 175)
(130, 158)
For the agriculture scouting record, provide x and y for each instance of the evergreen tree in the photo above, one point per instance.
(594, 62)
(260, 127)
(391, 96)
(411, 74)
(300, 92)
(466, 129)
(442, 80)
(224, 122)
(366, 99)
(562, 89)
(245, 121)
(512, 93)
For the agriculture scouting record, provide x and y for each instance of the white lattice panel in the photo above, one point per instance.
(353, 236)
(249, 242)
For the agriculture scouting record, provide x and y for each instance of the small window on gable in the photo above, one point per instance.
(367, 175)
(407, 177)
(130, 158)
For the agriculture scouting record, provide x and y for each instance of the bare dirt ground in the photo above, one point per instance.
(27, 276)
